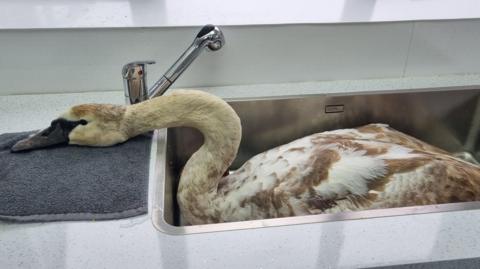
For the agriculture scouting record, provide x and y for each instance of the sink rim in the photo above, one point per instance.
(158, 176)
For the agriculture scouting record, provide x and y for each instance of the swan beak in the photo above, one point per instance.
(52, 135)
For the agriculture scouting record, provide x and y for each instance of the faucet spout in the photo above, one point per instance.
(209, 36)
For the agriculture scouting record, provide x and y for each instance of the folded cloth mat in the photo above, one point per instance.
(73, 183)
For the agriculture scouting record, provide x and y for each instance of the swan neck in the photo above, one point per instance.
(221, 129)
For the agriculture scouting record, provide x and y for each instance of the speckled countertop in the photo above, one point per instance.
(134, 242)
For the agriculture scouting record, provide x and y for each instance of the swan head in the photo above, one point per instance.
(87, 125)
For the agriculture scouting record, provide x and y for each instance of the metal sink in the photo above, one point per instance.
(447, 118)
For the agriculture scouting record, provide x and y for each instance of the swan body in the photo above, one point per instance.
(369, 167)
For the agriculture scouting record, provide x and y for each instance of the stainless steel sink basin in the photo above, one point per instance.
(449, 119)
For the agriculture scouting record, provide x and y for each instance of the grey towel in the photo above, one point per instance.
(73, 183)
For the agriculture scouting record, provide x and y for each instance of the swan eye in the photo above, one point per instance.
(83, 122)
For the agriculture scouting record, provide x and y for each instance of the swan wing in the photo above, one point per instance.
(373, 166)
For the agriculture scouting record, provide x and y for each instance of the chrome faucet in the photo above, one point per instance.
(134, 73)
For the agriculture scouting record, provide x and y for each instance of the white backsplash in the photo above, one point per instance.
(53, 61)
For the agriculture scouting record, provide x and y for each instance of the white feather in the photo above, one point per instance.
(351, 174)
(399, 152)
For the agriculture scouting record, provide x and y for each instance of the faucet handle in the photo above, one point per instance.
(135, 81)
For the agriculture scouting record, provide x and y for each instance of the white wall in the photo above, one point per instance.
(28, 14)
(41, 61)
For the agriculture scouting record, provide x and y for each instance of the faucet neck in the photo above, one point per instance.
(134, 74)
